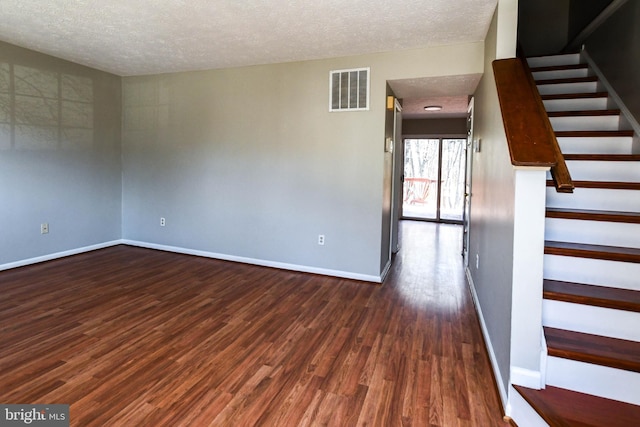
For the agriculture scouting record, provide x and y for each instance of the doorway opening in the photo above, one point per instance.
(434, 179)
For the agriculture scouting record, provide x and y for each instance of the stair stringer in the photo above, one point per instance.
(593, 379)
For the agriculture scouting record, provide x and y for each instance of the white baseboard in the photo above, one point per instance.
(521, 412)
(57, 255)
(526, 378)
(260, 262)
(487, 339)
(386, 270)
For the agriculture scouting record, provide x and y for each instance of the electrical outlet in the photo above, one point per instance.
(44, 228)
(321, 239)
(162, 222)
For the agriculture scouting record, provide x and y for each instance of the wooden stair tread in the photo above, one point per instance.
(595, 349)
(582, 250)
(583, 113)
(554, 96)
(604, 157)
(565, 408)
(593, 215)
(593, 133)
(588, 79)
(611, 185)
(598, 296)
(559, 67)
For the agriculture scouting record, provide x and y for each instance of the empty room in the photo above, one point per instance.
(210, 214)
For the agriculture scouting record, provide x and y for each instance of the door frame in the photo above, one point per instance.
(466, 211)
(396, 181)
(440, 138)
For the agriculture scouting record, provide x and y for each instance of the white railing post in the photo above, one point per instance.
(528, 351)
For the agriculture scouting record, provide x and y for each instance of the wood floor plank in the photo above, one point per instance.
(132, 336)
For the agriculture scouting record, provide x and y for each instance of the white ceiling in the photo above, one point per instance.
(136, 37)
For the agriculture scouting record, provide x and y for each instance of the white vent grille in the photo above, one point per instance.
(349, 90)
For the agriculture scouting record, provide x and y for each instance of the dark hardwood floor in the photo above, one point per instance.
(135, 337)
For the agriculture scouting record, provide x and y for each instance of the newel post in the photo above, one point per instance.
(528, 351)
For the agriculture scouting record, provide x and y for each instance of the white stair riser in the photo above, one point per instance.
(576, 104)
(593, 232)
(597, 170)
(589, 319)
(598, 272)
(585, 123)
(596, 199)
(560, 74)
(596, 145)
(551, 61)
(564, 88)
(522, 413)
(611, 383)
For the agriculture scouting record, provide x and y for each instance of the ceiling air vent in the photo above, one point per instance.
(349, 90)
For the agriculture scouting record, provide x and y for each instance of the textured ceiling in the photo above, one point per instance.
(134, 37)
(450, 92)
(452, 107)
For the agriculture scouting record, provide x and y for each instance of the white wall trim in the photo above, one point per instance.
(260, 262)
(526, 377)
(224, 257)
(487, 339)
(386, 270)
(612, 93)
(521, 412)
(57, 255)
(528, 265)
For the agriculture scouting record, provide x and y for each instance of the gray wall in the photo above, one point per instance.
(59, 155)
(614, 47)
(492, 216)
(249, 162)
(543, 26)
(581, 13)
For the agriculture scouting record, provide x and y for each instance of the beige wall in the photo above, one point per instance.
(249, 162)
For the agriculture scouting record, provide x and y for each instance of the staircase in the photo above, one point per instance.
(591, 306)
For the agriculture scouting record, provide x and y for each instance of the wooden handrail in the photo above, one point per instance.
(560, 172)
(530, 137)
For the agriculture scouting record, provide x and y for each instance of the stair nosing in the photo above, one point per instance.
(588, 79)
(580, 66)
(594, 215)
(593, 133)
(601, 252)
(593, 295)
(586, 348)
(583, 113)
(603, 157)
(609, 185)
(561, 407)
(582, 95)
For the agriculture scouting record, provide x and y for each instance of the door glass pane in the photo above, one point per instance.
(420, 186)
(453, 167)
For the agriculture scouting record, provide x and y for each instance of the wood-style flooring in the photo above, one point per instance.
(136, 337)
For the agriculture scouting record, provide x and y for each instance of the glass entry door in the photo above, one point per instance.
(433, 187)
